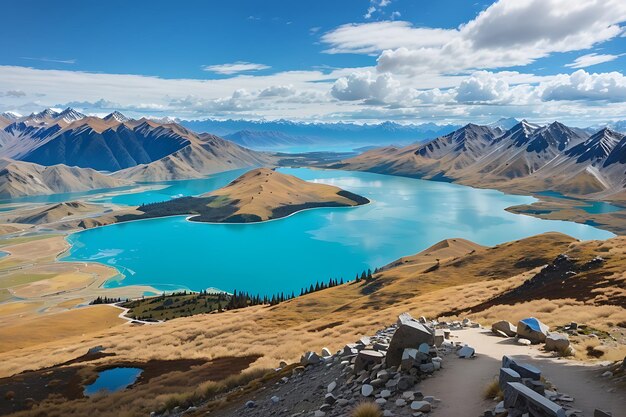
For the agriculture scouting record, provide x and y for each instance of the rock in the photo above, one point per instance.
(366, 359)
(325, 407)
(524, 342)
(466, 352)
(275, 399)
(557, 341)
(524, 399)
(406, 382)
(250, 404)
(387, 413)
(377, 383)
(532, 329)
(607, 374)
(534, 385)
(282, 364)
(508, 375)
(423, 406)
(424, 348)
(400, 402)
(326, 352)
(367, 390)
(599, 413)
(330, 399)
(385, 393)
(427, 368)
(500, 408)
(331, 387)
(342, 402)
(409, 334)
(439, 337)
(319, 413)
(504, 327)
(310, 358)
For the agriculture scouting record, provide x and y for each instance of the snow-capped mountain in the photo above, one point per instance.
(597, 147)
(116, 116)
(69, 115)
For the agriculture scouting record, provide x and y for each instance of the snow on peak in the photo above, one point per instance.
(117, 116)
(69, 115)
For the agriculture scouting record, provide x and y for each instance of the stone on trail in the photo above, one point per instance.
(367, 390)
(409, 334)
(557, 342)
(524, 342)
(367, 358)
(600, 413)
(275, 399)
(508, 375)
(466, 352)
(504, 327)
(532, 329)
(526, 400)
(423, 406)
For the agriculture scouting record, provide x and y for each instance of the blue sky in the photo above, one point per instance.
(362, 60)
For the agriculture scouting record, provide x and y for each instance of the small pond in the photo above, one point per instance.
(113, 380)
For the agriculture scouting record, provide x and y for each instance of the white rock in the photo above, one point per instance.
(423, 406)
(332, 386)
(523, 341)
(400, 402)
(367, 390)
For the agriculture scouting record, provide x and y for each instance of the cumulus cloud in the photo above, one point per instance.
(581, 85)
(588, 60)
(364, 86)
(277, 91)
(235, 68)
(508, 33)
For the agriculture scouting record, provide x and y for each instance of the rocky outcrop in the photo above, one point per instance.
(532, 329)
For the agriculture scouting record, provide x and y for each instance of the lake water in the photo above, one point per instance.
(406, 216)
(112, 380)
(591, 207)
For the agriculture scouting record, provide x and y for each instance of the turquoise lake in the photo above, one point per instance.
(406, 216)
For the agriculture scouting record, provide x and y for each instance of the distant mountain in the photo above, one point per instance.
(617, 126)
(525, 158)
(257, 139)
(335, 133)
(19, 179)
(115, 143)
(505, 123)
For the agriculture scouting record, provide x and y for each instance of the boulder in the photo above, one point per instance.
(409, 334)
(367, 390)
(366, 359)
(532, 329)
(505, 327)
(423, 406)
(525, 400)
(508, 375)
(310, 358)
(406, 382)
(466, 352)
(326, 352)
(557, 342)
(439, 337)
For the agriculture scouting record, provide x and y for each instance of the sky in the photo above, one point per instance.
(411, 61)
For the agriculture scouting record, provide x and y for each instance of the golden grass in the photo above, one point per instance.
(38, 330)
(493, 391)
(284, 331)
(367, 409)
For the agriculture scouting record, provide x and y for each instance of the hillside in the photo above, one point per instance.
(18, 179)
(423, 284)
(258, 195)
(259, 139)
(525, 159)
(159, 150)
(205, 154)
(50, 213)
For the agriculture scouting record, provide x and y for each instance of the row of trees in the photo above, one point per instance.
(106, 300)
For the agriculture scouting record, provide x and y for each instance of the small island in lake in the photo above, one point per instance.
(258, 195)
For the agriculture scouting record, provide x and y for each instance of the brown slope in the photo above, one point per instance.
(18, 179)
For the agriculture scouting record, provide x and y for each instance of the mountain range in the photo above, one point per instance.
(526, 158)
(135, 150)
(327, 133)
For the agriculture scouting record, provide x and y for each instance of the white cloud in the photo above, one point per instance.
(362, 86)
(508, 33)
(235, 67)
(368, 38)
(277, 91)
(588, 60)
(581, 85)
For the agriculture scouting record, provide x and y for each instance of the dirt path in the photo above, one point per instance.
(461, 383)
